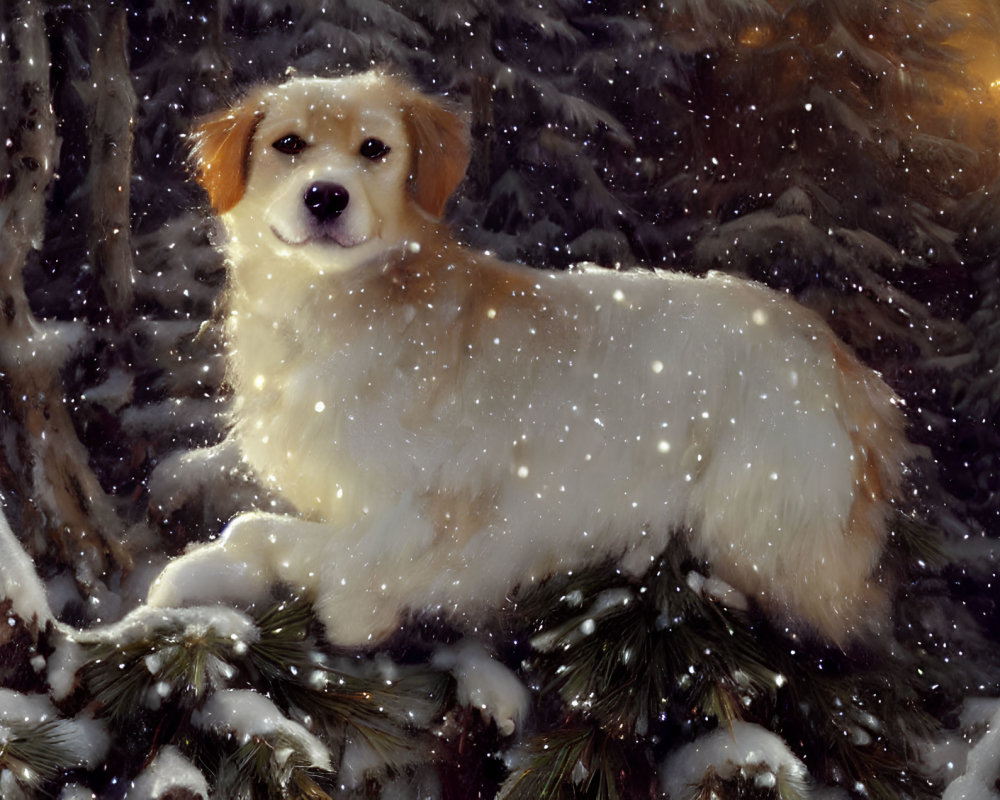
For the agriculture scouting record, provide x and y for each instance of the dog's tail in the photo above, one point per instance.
(873, 418)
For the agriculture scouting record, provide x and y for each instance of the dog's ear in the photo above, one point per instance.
(220, 151)
(440, 138)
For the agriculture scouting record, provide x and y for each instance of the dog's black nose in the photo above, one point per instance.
(326, 201)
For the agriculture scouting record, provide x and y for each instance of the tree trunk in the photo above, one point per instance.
(114, 103)
(65, 512)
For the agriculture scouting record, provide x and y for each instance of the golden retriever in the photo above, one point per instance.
(451, 426)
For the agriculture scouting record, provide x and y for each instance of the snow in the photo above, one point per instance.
(605, 602)
(63, 664)
(17, 707)
(75, 791)
(424, 785)
(184, 413)
(168, 772)
(83, 739)
(191, 474)
(947, 756)
(185, 473)
(226, 623)
(62, 591)
(19, 582)
(981, 770)
(725, 751)
(249, 714)
(86, 738)
(358, 761)
(114, 393)
(9, 788)
(717, 589)
(48, 346)
(486, 684)
(70, 654)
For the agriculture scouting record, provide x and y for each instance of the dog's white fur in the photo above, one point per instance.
(451, 426)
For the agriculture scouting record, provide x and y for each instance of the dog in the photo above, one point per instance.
(451, 427)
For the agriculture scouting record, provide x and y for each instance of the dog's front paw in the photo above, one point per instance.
(486, 684)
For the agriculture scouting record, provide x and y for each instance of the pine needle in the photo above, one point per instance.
(170, 658)
(636, 658)
(388, 716)
(569, 764)
(747, 784)
(626, 655)
(34, 753)
(916, 542)
(256, 770)
(172, 667)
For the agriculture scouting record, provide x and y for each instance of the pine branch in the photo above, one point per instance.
(914, 543)
(635, 653)
(570, 764)
(633, 658)
(174, 662)
(173, 659)
(748, 784)
(285, 640)
(34, 753)
(387, 715)
(263, 769)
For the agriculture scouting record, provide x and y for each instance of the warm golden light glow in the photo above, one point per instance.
(756, 36)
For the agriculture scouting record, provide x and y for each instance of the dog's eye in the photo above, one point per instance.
(290, 144)
(374, 148)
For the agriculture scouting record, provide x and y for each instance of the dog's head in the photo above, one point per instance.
(337, 169)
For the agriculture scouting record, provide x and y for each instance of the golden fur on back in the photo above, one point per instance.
(450, 426)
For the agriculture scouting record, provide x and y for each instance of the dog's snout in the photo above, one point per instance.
(326, 201)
